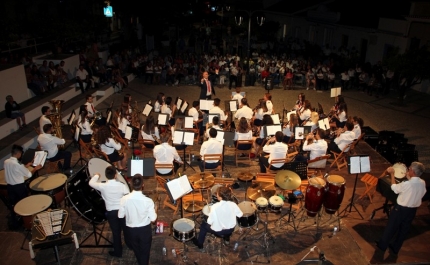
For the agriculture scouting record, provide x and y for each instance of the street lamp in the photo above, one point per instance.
(239, 19)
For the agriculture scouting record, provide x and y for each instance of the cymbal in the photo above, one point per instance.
(287, 179)
(200, 176)
(245, 176)
(204, 183)
(193, 206)
(261, 189)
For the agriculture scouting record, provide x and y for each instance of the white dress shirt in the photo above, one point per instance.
(90, 109)
(357, 131)
(244, 111)
(277, 150)
(342, 116)
(157, 106)
(138, 209)
(82, 74)
(218, 110)
(306, 114)
(317, 148)
(165, 154)
(211, 146)
(260, 114)
(194, 113)
(216, 127)
(112, 191)
(269, 106)
(344, 139)
(242, 136)
(14, 172)
(166, 110)
(223, 215)
(85, 127)
(109, 147)
(410, 192)
(49, 143)
(42, 121)
(237, 97)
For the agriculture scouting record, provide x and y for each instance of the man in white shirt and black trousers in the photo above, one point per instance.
(211, 146)
(276, 150)
(112, 191)
(222, 218)
(14, 176)
(410, 194)
(50, 143)
(139, 212)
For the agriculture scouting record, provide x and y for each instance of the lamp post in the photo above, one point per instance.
(239, 19)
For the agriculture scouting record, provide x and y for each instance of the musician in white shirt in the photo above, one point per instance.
(50, 143)
(164, 153)
(122, 122)
(269, 104)
(110, 147)
(211, 146)
(215, 125)
(305, 112)
(217, 110)
(84, 125)
(89, 106)
(139, 211)
(358, 124)
(317, 147)
(244, 111)
(44, 119)
(112, 191)
(344, 137)
(276, 150)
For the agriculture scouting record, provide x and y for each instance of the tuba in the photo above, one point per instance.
(55, 118)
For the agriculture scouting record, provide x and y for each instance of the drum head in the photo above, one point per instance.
(400, 170)
(276, 200)
(207, 209)
(33, 204)
(336, 180)
(317, 182)
(261, 201)
(98, 166)
(215, 188)
(247, 208)
(48, 182)
(183, 225)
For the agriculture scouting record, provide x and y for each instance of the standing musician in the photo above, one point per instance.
(344, 137)
(164, 153)
(217, 110)
(44, 119)
(222, 218)
(276, 150)
(410, 196)
(244, 111)
(110, 147)
(288, 128)
(14, 176)
(211, 146)
(50, 143)
(122, 121)
(207, 89)
(315, 144)
(159, 102)
(139, 212)
(149, 130)
(84, 125)
(89, 106)
(268, 98)
(112, 191)
(304, 113)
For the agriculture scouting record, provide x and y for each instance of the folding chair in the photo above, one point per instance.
(208, 157)
(371, 182)
(165, 166)
(352, 148)
(265, 177)
(241, 148)
(340, 158)
(276, 161)
(317, 164)
(52, 166)
(161, 186)
(85, 150)
(100, 154)
(147, 146)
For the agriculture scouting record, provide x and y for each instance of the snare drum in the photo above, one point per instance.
(30, 206)
(400, 171)
(314, 196)
(50, 184)
(205, 212)
(335, 189)
(261, 203)
(249, 217)
(276, 203)
(183, 229)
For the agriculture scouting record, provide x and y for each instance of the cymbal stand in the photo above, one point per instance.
(266, 235)
(290, 214)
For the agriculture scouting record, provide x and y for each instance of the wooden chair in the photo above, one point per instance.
(85, 150)
(161, 186)
(224, 181)
(165, 166)
(265, 177)
(316, 165)
(122, 141)
(370, 181)
(218, 157)
(352, 148)
(147, 146)
(276, 161)
(340, 158)
(247, 152)
(100, 154)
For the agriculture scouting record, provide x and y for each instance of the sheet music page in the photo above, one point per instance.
(299, 133)
(179, 103)
(109, 116)
(211, 116)
(189, 138)
(189, 122)
(210, 103)
(147, 110)
(77, 133)
(179, 187)
(162, 119)
(177, 136)
(136, 167)
(365, 164)
(333, 92)
(321, 124)
(327, 123)
(203, 104)
(128, 131)
(72, 118)
(233, 105)
(39, 158)
(220, 135)
(184, 107)
(354, 167)
(275, 118)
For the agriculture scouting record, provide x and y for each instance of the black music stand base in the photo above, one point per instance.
(96, 232)
(81, 159)
(186, 163)
(352, 202)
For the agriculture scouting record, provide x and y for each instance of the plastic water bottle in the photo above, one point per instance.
(164, 251)
(236, 245)
(335, 229)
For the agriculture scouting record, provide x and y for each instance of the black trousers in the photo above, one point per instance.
(140, 240)
(206, 228)
(81, 85)
(116, 226)
(264, 162)
(233, 78)
(15, 193)
(203, 165)
(398, 227)
(66, 155)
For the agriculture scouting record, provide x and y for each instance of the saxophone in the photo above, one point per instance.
(55, 118)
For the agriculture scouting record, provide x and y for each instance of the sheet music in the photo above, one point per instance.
(220, 136)
(299, 133)
(128, 131)
(275, 118)
(365, 164)
(147, 110)
(211, 116)
(178, 102)
(324, 124)
(184, 107)
(189, 122)
(77, 133)
(109, 115)
(354, 165)
(272, 129)
(206, 104)
(189, 138)
(162, 119)
(179, 187)
(178, 137)
(72, 118)
(136, 167)
(233, 105)
(335, 91)
(39, 158)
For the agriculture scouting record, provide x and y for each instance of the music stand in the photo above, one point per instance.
(356, 164)
(76, 138)
(184, 138)
(226, 138)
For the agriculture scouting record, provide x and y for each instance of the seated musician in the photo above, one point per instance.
(222, 218)
(344, 137)
(237, 96)
(110, 147)
(197, 116)
(50, 143)
(159, 102)
(276, 150)
(358, 124)
(211, 146)
(268, 99)
(14, 176)
(339, 117)
(243, 132)
(217, 110)
(288, 128)
(149, 131)
(304, 113)
(122, 122)
(84, 125)
(164, 153)
(315, 144)
(244, 110)
(300, 101)
(44, 118)
(179, 125)
(169, 108)
(259, 113)
(214, 124)
(259, 141)
(313, 121)
(89, 106)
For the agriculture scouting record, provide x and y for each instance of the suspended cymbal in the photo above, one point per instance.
(287, 179)
(260, 189)
(200, 176)
(204, 183)
(245, 176)
(193, 206)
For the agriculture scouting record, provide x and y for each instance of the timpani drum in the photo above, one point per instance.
(261, 203)
(276, 204)
(249, 217)
(314, 196)
(3, 183)
(335, 189)
(50, 184)
(183, 229)
(30, 206)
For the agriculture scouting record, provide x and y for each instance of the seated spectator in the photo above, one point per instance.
(33, 84)
(82, 77)
(13, 111)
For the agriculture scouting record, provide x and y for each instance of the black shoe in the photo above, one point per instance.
(226, 241)
(112, 253)
(377, 245)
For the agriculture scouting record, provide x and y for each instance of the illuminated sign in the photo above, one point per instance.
(107, 11)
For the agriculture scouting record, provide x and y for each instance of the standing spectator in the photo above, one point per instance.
(13, 111)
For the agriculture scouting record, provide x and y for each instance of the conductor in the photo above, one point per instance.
(206, 86)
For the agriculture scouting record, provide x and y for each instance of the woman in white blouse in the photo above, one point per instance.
(149, 130)
(84, 125)
(159, 102)
(110, 147)
(358, 124)
(122, 121)
(288, 129)
(305, 112)
(243, 132)
(339, 118)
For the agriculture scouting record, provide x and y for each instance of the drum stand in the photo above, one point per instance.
(96, 232)
(301, 219)
(266, 235)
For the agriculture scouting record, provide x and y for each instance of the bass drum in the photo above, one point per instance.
(97, 165)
